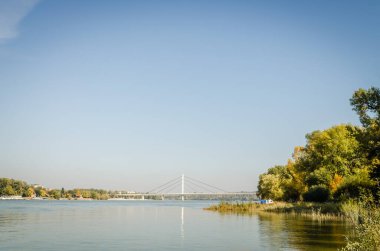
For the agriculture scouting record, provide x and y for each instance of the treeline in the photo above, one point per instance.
(11, 187)
(336, 164)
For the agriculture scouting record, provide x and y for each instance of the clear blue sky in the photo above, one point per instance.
(129, 94)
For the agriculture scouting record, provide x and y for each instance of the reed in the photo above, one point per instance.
(317, 211)
(366, 221)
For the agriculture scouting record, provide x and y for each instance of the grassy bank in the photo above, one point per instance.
(320, 211)
(302, 208)
(366, 221)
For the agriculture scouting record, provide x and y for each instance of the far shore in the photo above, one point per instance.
(16, 197)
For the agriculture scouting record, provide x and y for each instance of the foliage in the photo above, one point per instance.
(338, 163)
(29, 192)
(366, 234)
(9, 187)
(358, 185)
(96, 194)
(55, 193)
(317, 193)
(329, 152)
(270, 186)
(40, 192)
(366, 103)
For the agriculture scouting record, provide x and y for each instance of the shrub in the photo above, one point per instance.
(317, 193)
(355, 186)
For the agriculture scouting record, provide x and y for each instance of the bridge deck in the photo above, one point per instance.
(180, 194)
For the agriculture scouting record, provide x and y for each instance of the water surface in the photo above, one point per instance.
(156, 225)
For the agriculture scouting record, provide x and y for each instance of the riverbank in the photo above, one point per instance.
(364, 217)
(315, 210)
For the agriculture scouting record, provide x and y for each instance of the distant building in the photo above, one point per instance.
(38, 186)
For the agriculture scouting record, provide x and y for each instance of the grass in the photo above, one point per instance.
(318, 211)
(366, 221)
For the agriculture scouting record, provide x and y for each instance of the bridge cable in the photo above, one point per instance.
(167, 187)
(191, 187)
(206, 184)
(165, 184)
(171, 189)
(201, 186)
(171, 186)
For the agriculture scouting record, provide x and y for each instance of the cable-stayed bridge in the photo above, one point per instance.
(187, 188)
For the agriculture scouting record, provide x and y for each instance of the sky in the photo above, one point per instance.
(131, 94)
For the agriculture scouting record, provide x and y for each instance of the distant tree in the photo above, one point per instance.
(78, 193)
(8, 190)
(29, 192)
(56, 194)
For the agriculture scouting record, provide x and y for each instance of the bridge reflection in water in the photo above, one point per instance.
(195, 190)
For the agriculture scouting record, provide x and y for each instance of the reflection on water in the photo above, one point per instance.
(155, 225)
(302, 233)
(182, 223)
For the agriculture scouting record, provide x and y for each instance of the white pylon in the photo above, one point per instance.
(183, 186)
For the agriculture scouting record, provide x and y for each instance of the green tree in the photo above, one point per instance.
(330, 155)
(358, 185)
(29, 192)
(271, 184)
(8, 190)
(41, 192)
(56, 194)
(366, 103)
(270, 187)
(317, 193)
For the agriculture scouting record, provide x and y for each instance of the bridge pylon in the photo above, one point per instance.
(183, 187)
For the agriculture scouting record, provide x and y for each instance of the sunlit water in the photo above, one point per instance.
(155, 225)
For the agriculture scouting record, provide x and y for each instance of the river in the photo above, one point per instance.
(156, 225)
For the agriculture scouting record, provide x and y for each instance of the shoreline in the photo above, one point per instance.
(320, 211)
(64, 199)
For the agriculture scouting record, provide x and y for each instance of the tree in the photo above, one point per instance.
(366, 103)
(55, 194)
(331, 152)
(8, 190)
(318, 193)
(358, 185)
(270, 187)
(29, 192)
(41, 192)
(275, 183)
